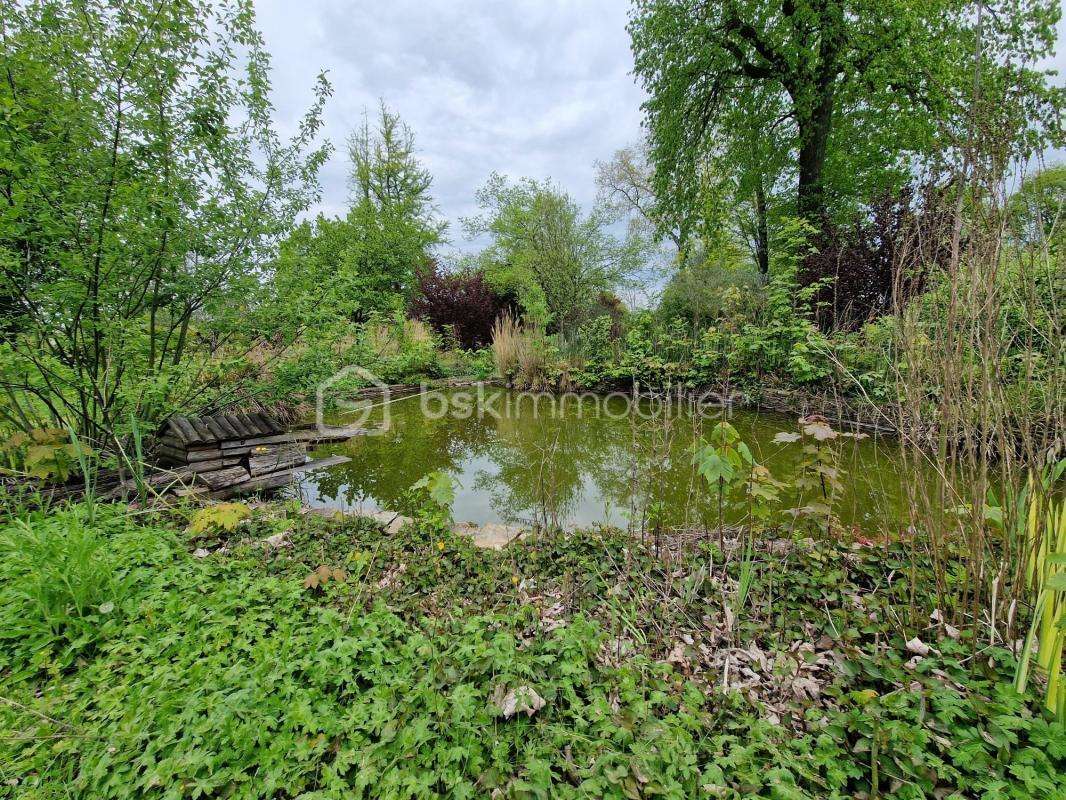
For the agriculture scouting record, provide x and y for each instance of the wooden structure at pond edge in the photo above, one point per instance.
(226, 454)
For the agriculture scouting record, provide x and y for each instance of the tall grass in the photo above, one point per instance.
(58, 578)
(520, 354)
(506, 337)
(1041, 527)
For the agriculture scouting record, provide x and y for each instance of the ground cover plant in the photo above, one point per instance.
(835, 209)
(566, 665)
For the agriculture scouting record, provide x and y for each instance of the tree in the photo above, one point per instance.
(889, 76)
(1037, 208)
(366, 262)
(554, 258)
(626, 186)
(143, 190)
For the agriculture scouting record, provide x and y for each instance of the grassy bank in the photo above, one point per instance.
(338, 662)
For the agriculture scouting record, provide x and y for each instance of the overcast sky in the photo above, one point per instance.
(538, 88)
(525, 87)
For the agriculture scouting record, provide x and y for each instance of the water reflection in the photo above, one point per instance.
(516, 460)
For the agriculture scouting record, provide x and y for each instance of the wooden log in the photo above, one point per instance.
(186, 430)
(276, 457)
(314, 436)
(221, 478)
(229, 430)
(218, 463)
(233, 423)
(192, 491)
(205, 454)
(264, 423)
(252, 424)
(205, 433)
(218, 433)
(173, 433)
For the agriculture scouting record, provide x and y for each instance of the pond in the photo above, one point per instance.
(519, 459)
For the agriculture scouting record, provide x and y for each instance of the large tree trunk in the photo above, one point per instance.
(762, 230)
(814, 127)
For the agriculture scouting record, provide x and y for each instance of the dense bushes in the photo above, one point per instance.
(460, 305)
(863, 256)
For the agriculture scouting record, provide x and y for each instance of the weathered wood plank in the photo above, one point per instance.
(221, 478)
(192, 491)
(233, 422)
(280, 438)
(269, 420)
(275, 480)
(186, 430)
(247, 426)
(265, 423)
(276, 457)
(172, 431)
(217, 431)
(218, 463)
(204, 432)
(314, 436)
(204, 454)
(172, 455)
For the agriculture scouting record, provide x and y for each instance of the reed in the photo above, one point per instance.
(1043, 533)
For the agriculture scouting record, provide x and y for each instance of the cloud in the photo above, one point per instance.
(538, 88)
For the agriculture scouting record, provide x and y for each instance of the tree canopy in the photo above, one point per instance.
(365, 262)
(837, 98)
(547, 252)
(142, 190)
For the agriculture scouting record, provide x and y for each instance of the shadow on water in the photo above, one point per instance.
(520, 459)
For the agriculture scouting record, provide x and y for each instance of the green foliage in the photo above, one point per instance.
(46, 453)
(545, 252)
(63, 586)
(430, 499)
(231, 675)
(363, 264)
(144, 188)
(811, 96)
(726, 463)
(820, 479)
(220, 517)
(1037, 209)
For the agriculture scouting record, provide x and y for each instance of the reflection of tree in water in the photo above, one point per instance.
(544, 457)
(597, 460)
(384, 467)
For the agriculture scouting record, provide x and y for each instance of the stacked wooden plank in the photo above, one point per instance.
(235, 453)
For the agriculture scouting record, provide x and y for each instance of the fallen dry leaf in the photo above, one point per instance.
(514, 701)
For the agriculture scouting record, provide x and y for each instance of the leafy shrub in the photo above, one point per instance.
(459, 304)
(46, 453)
(865, 255)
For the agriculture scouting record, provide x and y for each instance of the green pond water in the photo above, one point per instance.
(518, 459)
